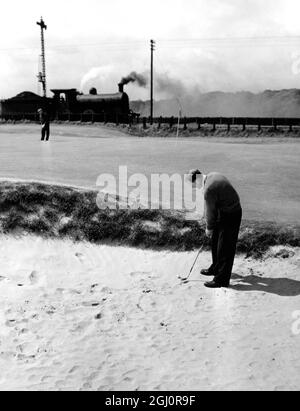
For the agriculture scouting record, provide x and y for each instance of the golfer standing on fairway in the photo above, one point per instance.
(223, 214)
(45, 123)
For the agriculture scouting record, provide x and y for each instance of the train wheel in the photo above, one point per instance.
(89, 115)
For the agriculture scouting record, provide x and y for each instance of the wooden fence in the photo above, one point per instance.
(228, 122)
(198, 122)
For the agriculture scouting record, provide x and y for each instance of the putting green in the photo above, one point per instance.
(266, 173)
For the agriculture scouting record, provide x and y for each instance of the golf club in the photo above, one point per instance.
(185, 279)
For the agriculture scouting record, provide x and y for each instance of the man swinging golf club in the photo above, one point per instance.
(223, 214)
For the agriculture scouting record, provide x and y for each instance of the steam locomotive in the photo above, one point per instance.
(70, 104)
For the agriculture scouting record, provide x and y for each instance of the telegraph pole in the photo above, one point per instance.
(152, 44)
(42, 75)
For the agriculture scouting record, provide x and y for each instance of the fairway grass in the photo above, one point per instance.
(264, 170)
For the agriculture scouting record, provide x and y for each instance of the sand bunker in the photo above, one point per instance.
(87, 317)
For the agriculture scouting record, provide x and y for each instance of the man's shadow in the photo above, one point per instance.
(284, 287)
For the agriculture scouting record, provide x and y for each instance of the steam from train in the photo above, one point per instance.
(133, 77)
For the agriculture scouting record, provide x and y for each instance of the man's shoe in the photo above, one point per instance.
(207, 273)
(213, 284)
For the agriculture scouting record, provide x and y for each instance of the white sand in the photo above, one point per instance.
(77, 316)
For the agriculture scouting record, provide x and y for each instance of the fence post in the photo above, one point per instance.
(214, 127)
(144, 123)
(159, 122)
(185, 123)
(291, 128)
(199, 123)
(171, 122)
(228, 127)
(259, 126)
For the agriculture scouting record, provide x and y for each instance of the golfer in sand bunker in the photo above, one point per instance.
(223, 214)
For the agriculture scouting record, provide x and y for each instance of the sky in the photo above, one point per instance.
(203, 45)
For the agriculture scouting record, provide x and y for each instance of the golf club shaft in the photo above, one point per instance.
(195, 261)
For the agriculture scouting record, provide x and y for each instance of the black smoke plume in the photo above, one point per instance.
(133, 77)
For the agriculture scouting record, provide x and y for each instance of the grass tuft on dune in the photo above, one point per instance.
(62, 212)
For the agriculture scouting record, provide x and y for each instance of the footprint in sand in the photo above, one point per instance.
(80, 257)
(10, 323)
(93, 288)
(8, 355)
(72, 291)
(73, 370)
(93, 376)
(106, 290)
(141, 274)
(23, 331)
(120, 317)
(80, 327)
(91, 304)
(46, 379)
(33, 278)
(252, 364)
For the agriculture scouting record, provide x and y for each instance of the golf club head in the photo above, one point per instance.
(184, 280)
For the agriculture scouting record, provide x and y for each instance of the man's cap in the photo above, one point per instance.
(192, 175)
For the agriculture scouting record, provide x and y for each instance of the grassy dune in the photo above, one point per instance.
(62, 212)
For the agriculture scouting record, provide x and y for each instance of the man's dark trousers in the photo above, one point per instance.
(224, 241)
(45, 131)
